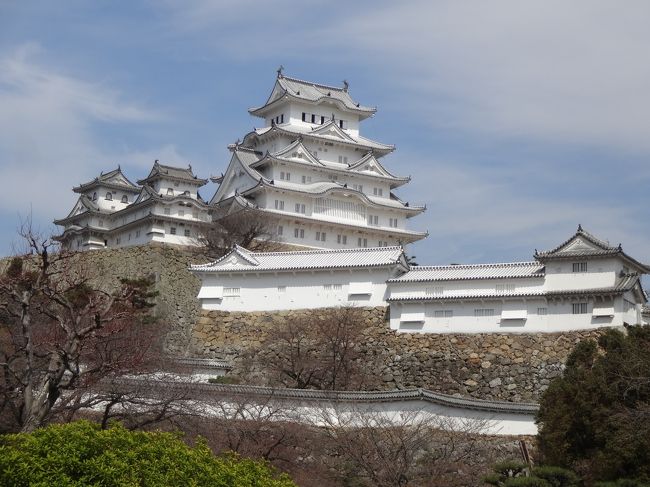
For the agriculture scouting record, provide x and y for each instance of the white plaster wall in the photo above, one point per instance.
(267, 200)
(332, 230)
(295, 109)
(464, 287)
(559, 316)
(600, 273)
(115, 204)
(178, 187)
(447, 417)
(303, 289)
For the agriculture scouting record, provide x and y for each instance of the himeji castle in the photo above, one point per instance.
(111, 211)
(311, 172)
(325, 192)
(308, 172)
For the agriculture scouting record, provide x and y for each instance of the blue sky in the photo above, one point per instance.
(516, 120)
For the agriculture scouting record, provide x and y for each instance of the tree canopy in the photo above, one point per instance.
(595, 419)
(83, 454)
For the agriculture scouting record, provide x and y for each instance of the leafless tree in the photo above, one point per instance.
(247, 228)
(319, 352)
(61, 336)
(411, 448)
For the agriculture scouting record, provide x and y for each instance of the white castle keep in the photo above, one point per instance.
(308, 171)
(311, 172)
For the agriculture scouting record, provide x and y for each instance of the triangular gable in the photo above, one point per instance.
(117, 177)
(236, 169)
(146, 193)
(579, 243)
(277, 92)
(332, 130)
(119, 180)
(370, 165)
(296, 151)
(237, 257)
(82, 205)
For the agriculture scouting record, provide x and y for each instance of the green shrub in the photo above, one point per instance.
(81, 454)
(556, 476)
(526, 482)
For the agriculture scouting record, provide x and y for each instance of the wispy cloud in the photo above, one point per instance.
(48, 128)
(553, 70)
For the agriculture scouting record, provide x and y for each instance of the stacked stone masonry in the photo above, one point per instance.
(176, 303)
(511, 367)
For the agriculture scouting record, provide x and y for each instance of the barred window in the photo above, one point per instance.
(434, 290)
(480, 312)
(231, 292)
(580, 308)
(579, 267)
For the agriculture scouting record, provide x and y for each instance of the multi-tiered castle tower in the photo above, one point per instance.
(313, 175)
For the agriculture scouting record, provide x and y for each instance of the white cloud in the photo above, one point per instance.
(47, 132)
(482, 215)
(555, 70)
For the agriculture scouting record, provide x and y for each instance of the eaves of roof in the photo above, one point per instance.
(258, 260)
(265, 183)
(603, 291)
(380, 149)
(408, 235)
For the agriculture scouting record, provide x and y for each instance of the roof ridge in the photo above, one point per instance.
(312, 83)
(326, 251)
(489, 264)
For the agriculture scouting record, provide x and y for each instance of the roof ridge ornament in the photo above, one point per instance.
(279, 71)
(346, 85)
(580, 227)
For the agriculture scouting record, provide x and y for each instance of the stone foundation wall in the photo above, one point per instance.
(512, 367)
(176, 303)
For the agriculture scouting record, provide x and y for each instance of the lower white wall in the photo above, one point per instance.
(273, 291)
(559, 316)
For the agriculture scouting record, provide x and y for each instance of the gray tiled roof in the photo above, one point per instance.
(600, 249)
(296, 131)
(104, 179)
(185, 174)
(626, 283)
(314, 93)
(601, 244)
(424, 395)
(308, 259)
(473, 271)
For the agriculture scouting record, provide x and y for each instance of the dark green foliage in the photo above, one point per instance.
(504, 471)
(82, 454)
(623, 483)
(526, 482)
(556, 476)
(596, 417)
(515, 474)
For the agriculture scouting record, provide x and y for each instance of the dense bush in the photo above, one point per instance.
(595, 419)
(515, 474)
(82, 454)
